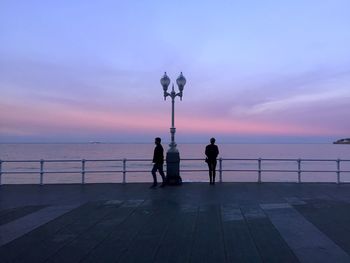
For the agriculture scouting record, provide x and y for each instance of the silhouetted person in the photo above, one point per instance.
(158, 160)
(212, 152)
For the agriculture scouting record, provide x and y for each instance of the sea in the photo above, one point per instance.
(63, 162)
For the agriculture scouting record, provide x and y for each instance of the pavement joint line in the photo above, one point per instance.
(231, 214)
(195, 228)
(134, 208)
(27, 223)
(295, 201)
(221, 222)
(133, 202)
(275, 206)
(254, 213)
(113, 202)
(188, 208)
(309, 244)
(164, 232)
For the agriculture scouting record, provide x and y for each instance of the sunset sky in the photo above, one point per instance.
(257, 71)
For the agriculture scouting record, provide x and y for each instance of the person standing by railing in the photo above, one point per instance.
(158, 160)
(212, 152)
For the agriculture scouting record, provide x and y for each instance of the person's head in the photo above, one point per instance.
(157, 140)
(212, 140)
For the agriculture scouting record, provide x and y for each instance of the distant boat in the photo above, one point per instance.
(94, 142)
(342, 141)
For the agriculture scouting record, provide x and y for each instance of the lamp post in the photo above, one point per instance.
(173, 155)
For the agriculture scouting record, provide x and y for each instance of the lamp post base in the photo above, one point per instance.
(174, 180)
(173, 167)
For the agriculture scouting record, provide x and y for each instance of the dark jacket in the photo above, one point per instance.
(158, 156)
(212, 152)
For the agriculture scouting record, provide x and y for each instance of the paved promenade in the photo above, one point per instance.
(195, 222)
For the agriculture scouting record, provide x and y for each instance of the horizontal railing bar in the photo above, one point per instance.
(256, 170)
(103, 160)
(137, 171)
(72, 160)
(256, 159)
(242, 170)
(291, 160)
(37, 161)
(86, 171)
(86, 160)
(184, 159)
(140, 160)
(67, 172)
(192, 159)
(197, 170)
(185, 170)
(23, 172)
(20, 161)
(292, 171)
(324, 160)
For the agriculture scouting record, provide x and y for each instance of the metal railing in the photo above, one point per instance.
(123, 168)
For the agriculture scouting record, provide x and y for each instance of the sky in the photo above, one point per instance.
(257, 71)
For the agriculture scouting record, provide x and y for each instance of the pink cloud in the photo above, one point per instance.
(38, 119)
(21, 119)
(236, 126)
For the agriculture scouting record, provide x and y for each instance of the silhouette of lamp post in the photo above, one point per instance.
(173, 155)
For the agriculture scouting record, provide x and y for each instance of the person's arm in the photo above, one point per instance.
(154, 155)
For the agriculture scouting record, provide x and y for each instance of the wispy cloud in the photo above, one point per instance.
(294, 91)
(281, 104)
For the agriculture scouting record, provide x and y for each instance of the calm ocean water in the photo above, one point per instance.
(145, 151)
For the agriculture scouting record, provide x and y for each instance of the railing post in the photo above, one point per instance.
(83, 171)
(299, 171)
(338, 171)
(41, 172)
(0, 171)
(259, 170)
(124, 171)
(220, 170)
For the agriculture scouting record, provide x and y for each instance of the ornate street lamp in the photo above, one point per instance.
(173, 155)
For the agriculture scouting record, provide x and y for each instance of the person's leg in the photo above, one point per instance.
(161, 172)
(154, 175)
(214, 171)
(210, 173)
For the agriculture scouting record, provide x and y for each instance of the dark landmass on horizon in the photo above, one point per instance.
(342, 141)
